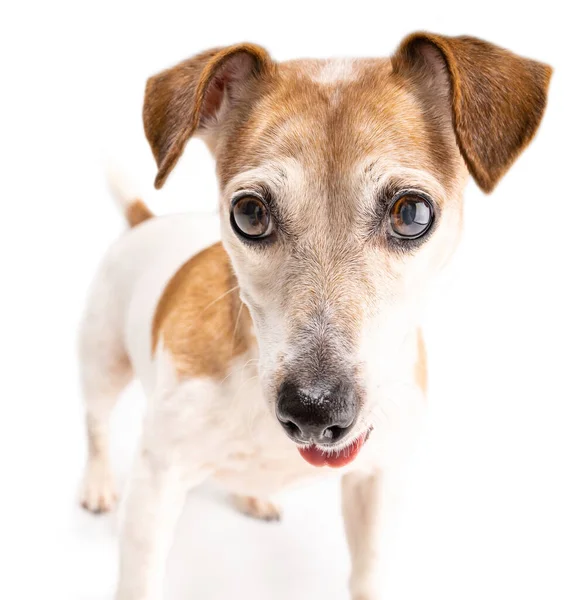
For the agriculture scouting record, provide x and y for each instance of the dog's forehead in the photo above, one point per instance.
(334, 116)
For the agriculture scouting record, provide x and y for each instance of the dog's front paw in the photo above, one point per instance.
(257, 508)
(98, 494)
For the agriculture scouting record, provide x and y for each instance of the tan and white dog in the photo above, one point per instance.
(273, 354)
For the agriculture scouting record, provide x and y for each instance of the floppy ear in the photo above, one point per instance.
(193, 96)
(496, 98)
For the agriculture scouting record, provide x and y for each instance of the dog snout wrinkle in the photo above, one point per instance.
(323, 415)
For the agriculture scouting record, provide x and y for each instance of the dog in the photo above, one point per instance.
(293, 345)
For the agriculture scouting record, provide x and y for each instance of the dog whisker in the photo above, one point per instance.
(220, 298)
(235, 328)
(235, 371)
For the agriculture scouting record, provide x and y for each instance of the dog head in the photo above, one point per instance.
(341, 185)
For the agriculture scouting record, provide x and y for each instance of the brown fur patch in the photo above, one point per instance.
(137, 213)
(200, 317)
(421, 373)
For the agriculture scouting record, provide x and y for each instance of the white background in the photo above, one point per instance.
(491, 505)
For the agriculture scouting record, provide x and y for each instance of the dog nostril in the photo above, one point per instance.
(292, 428)
(333, 433)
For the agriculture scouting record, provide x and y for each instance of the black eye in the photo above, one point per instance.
(411, 215)
(250, 217)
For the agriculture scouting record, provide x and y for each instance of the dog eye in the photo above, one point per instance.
(250, 217)
(411, 215)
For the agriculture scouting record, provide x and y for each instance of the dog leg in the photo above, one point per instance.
(98, 493)
(155, 497)
(169, 464)
(257, 508)
(105, 371)
(362, 504)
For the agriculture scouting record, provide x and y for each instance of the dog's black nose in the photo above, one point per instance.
(321, 415)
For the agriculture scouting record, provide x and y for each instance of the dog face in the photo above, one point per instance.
(341, 185)
(335, 159)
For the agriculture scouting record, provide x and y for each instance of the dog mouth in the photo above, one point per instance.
(323, 456)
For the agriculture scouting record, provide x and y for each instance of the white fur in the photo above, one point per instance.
(336, 70)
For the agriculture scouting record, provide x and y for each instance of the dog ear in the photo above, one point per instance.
(496, 98)
(194, 96)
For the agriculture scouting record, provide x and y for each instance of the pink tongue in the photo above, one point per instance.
(319, 458)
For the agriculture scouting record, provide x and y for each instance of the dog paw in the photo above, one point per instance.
(98, 494)
(257, 508)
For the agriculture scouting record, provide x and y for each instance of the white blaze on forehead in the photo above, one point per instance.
(336, 70)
